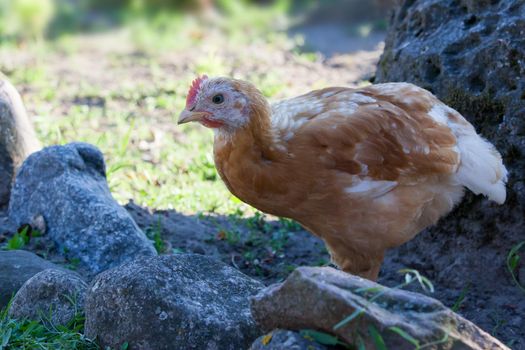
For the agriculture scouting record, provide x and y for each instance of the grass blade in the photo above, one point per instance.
(348, 319)
(379, 342)
(513, 259)
(5, 338)
(321, 337)
(405, 336)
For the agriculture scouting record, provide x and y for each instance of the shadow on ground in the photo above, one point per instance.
(468, 272)
(264, 249)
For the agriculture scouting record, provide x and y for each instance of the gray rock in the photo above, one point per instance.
(321, 297)
(67, 186)
(16, 267)
(471, 54)
(280, 339)
(6, 224)
(183, 301)
(51, 296)
(6, 174)
(17, 138)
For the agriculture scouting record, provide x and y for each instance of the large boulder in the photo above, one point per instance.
(321, 297)
(184, 301)
(17, 138)
(67, 186)
(471, 54)
(16, 267)
(52, 296)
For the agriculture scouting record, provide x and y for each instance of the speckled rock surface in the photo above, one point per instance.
(471, 54)
(6, 174)
(17, 138)
(281, 339)
(16, 267)
(52, 296)
(184, 301)
(6, 224)
(67, 186)
(321, 297)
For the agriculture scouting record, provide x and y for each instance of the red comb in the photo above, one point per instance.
(194, 90)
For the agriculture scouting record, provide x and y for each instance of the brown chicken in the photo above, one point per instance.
(364, 169)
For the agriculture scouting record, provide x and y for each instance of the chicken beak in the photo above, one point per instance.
(189, 116)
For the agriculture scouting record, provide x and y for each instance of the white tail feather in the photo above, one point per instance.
(481, 169)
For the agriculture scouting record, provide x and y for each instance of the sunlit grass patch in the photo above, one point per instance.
(133, 120)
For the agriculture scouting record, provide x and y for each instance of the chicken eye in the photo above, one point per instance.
(218, 99)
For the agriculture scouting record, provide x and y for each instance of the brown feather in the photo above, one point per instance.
(365, 170)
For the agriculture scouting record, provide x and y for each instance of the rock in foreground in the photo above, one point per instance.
(470, 54)
(52, 296)
(67, 186)
(17, 138)
(172, 302)
(16, 267)
(319, 298)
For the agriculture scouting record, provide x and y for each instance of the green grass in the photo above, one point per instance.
(149, 158)
(461, 298)
(154, 233)
(513, 262)
(19, 240)
(33, 335)
(22, 237)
